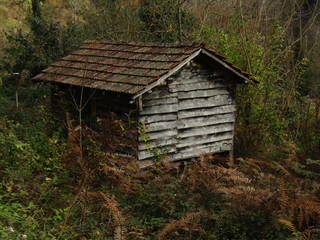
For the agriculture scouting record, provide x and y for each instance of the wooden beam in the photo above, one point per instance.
(165, 76)
(246, 80)
(140, 103)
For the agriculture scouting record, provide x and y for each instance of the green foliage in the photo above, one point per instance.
(51, 188)
(166, 21)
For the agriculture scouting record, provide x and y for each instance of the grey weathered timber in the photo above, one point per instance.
(203, 93)
(162, 142)
(159, 94)
(193, 113)
(173, 81)
(220, 143)
(145, 154)
(159, 109)
(158, 118)
(196, 152)
(225, 127)
(206, 111)
(161, 134)
(202, 139)
(163, 101)
(168, 74)
(205, 121)
(158, 126)
(195, 86)
(204, 102)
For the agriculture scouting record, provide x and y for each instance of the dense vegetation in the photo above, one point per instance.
(62, 181)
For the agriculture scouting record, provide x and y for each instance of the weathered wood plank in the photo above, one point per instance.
(223, 144)
(157, 118)
(168, 74)
(158, 126)
(196, 86)
(204, 139)
(159, 135)
(196, 152)
(159, 94)
(161, 101)
(203, 93)
(182, 114)
(160, 109)
(145, 154)
(205, 102)
(195, 79)
(205, 121)
(157, 143)
(226, 127)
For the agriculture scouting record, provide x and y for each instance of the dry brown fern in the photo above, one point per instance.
(189, 223)
(287, 224)
(119, 221)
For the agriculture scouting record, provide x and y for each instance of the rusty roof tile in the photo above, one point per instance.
(122, 66)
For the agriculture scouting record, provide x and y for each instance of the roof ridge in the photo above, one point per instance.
(137, 52)
(145, 44)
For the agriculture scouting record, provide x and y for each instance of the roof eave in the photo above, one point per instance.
(246, 80)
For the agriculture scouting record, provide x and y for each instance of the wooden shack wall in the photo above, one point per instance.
(192, 113)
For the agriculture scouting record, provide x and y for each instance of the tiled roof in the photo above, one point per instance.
(122, 67)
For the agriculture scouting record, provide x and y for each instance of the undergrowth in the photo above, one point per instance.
(94, 193)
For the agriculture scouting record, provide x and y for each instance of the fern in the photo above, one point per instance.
(118, 218)
(189, 223)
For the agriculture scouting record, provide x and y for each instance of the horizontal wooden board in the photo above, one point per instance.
(158, 94)
(157, 143)
(170, 108)
(194, 79)
(205, 121)
(160, 134)
(182, 114)
(161, 101)
(204, 139)
(223, 144)
(158, 126)
(225, 127)
(196, 152)
(196, 86)
(157, 118)
(205, 102)
(203, 93)
(145, 154)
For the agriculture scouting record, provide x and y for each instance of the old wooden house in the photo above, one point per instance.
(183, 94)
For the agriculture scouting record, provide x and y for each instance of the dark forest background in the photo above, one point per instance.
(57, 182)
